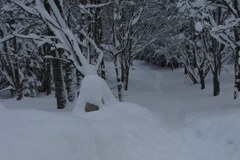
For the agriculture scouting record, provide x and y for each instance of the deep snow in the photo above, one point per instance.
(183, 123)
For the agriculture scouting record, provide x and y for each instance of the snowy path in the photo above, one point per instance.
(167, 94)
(149, 88)
(194, 125)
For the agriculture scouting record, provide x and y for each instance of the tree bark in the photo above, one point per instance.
(237, 53)
(216, 84)
(237, 72)
(49, 78)
(70, 82)
(119, 83)
(18, 85)
(59, 82)
(202, 78)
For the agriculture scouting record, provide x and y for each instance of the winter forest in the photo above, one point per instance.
(119, 79)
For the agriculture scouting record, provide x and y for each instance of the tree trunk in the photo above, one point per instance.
(119, 83)
(202, 78)
(18, 85)
(59, 82)
(215, 71)
(237, 72)
(103, 72)
(48, 71)
(216, 84)
(70, 82)
(185, 70)
(237, 53)
(49, 78)
(217, 64)
(126, 80)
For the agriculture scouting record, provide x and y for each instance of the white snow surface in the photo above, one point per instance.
(178, 122)
(103, 135)
(2, 107)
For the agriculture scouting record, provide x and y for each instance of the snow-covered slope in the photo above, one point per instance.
(103, 135)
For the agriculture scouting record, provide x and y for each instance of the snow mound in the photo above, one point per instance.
(94, 90)
(35, 135)
(104, 135)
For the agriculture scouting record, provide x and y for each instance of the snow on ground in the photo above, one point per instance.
(173, 98)
(110, 133)
(196, 125)
(178, 122)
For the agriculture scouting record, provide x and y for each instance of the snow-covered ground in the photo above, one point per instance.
(194, 125)
(178, 121)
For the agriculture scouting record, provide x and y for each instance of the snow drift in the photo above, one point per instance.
(102, 135)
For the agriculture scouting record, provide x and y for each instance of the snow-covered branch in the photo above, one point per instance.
(6, 38)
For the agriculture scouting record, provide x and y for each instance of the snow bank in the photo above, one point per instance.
(35, 135)
(104, 135)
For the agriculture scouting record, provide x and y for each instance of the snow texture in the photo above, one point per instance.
(2, 107)
(103, 135)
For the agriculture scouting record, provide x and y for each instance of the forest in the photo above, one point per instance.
(92, 54)
(48, 46)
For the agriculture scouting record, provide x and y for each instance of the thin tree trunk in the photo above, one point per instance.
(126, 79)
(59, 82)
(237, 72)
(119, 83)
(18, 85)
(202, 78)
(70, 82)
(103, 72)
(237, 53)
(185, 70)
(48, 71)
(216, 84)
(49, 78)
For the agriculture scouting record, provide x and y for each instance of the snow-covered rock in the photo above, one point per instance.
(94, 90)
(199, 26)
